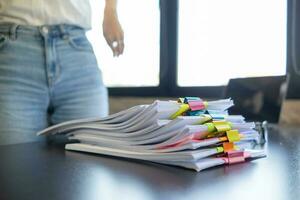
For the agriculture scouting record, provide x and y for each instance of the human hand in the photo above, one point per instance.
(113, 32)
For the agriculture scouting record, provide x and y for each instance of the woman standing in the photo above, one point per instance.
(48, 70)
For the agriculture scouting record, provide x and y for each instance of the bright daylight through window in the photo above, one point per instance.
(224, 39)
(139, 65)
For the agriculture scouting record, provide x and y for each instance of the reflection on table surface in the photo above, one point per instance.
(47, 171)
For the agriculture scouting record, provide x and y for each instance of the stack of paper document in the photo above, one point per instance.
(190, 133)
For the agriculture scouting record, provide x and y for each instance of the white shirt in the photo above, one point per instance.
(46, 12)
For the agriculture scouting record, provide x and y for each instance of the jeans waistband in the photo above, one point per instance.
(61, 30)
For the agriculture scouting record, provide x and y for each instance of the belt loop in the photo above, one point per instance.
(13, 31)
(63, 31)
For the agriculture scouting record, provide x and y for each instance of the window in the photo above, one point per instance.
(192, 47)
(224, 39)
(139, 65)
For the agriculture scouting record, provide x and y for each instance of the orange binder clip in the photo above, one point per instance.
(228, 146)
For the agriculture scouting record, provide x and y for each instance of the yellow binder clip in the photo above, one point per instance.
(233, 135)
(222, 126)
(182, 109)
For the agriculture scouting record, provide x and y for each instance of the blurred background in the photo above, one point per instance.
(243, 49)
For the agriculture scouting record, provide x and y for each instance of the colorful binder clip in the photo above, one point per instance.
(183, 108)
(196, 105)
(233, 135)
(235, 157)
(217, 128)
(220, 149)
(217, 116)
(206, 118)
(222, 126)
(228, 146)
(189, 99)
(210, 127)
(180, 100)
(195, 113)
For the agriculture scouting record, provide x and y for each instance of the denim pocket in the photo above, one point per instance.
(80, 43)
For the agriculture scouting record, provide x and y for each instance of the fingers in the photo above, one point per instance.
(114, 48)
(117, 47)
(116, 43)
(109, 42)
(120, 47)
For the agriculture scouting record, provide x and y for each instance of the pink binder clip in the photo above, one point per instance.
(196, 105)
(235, 157)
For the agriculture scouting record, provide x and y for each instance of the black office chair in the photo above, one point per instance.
(258, 98)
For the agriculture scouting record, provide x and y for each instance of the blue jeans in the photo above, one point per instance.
(48, 75)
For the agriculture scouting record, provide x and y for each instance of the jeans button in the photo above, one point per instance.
(45, 30)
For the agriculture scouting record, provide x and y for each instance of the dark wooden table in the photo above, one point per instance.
(46, 171)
